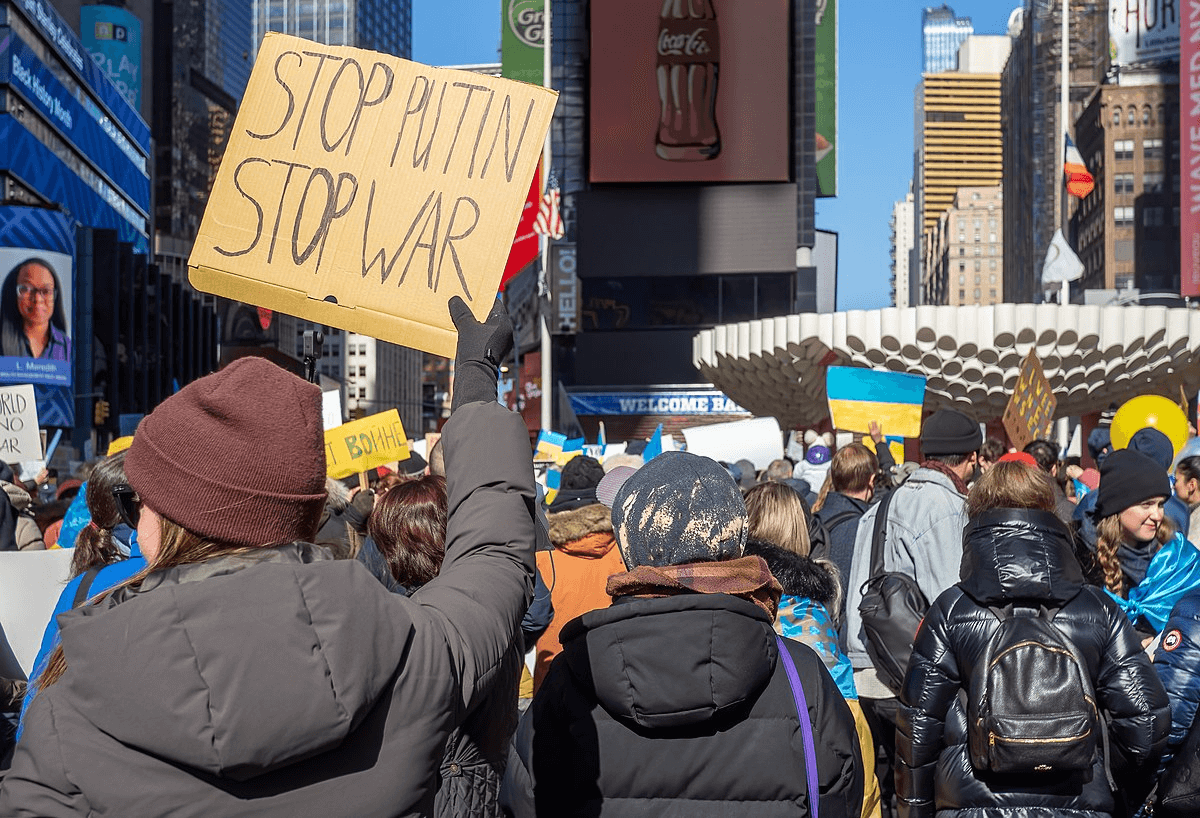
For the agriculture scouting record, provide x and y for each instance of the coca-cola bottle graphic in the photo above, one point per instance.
(689, 58)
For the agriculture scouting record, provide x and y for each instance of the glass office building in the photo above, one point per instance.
(379, 25)
(941, 35)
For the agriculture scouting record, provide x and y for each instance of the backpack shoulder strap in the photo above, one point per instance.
(806, 729)
(837, 519)
(85, 586)
(879, 535)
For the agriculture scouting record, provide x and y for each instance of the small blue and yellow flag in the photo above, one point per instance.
(858, 396)
(553, 482)
(549, 445)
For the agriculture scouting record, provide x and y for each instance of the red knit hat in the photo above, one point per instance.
(237, 456)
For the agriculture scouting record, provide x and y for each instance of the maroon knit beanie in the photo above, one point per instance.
(237, 456)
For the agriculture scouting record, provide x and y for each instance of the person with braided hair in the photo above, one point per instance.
(1147, 564)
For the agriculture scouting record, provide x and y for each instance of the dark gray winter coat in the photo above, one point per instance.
(288, 685)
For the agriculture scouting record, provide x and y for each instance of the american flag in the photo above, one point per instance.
(549, 221)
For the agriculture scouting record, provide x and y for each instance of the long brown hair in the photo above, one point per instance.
(408, 524)
(1109, 536)
(94, 545)
(177, 546)
(1011, 485)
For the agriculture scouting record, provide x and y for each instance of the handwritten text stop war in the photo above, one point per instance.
(437, 128)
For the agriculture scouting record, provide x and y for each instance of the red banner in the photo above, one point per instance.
(1189, 143)
(525, 244)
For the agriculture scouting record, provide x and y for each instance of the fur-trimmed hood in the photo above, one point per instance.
(798, 575)
(589, 527)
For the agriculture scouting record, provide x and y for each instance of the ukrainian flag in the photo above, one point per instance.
(550, 445)
(858, 396)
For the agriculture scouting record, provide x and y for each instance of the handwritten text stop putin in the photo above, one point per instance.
(448, 132)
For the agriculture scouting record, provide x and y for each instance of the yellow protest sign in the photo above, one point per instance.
(361, 445)
(363, 191)
(1029, 414)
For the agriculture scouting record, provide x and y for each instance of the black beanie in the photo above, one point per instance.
(949, 431)
(1126, 479)
(581, 472)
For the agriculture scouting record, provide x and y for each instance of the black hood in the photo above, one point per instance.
(1019, 554)
(675, 661)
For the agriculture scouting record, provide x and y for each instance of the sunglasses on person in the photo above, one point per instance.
(44, 293)
(128, 503)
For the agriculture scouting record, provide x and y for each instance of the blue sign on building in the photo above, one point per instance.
(113, 37)
(696, 402)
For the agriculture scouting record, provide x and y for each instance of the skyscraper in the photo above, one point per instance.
(377, 375)
(380, 25)
(941, 35)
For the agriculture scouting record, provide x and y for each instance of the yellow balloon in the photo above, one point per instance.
(1149, 410)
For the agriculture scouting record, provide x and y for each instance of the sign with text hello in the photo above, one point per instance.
(363, 191)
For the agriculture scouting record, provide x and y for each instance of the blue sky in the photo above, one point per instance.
(879, 67)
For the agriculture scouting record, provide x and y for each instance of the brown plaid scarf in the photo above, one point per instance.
(746, 577)
(939, 466)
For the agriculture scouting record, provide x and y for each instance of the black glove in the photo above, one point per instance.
(481, 348)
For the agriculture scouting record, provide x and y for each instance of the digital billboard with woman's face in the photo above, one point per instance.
(35, 310)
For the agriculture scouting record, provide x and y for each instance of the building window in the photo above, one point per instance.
(962, 296)
(977, 293)
(962, 251)
(1122, 183)
(977, 268)
(350, 349)
(1122, 216)
(977, 238)
(1152, 149)
(962, 280)
(962, 266)
(362, 349)
(1152, 181)
(992, 238)
(1123, 149)
(992, 278)
(362, 391)
(1152, 216)
(992, 266)
(1116, 116)
(992, 250)
(992, 294)
(1132, 114)
(979, 251)
(977, 278)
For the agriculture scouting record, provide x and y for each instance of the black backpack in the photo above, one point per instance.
(891, 609)
(1031, 706)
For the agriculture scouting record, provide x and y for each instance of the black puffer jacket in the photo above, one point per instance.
(1019, 555)
(679, 706)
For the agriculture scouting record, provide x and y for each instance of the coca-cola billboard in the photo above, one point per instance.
(690, 91)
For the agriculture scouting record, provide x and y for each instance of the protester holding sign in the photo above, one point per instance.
(246, 672)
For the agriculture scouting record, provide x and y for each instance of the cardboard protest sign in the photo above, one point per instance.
(858, 396)
(363, 191)
(758, 440)
(19, 435)
(361, 445)
(30, 583)
(1030, 411)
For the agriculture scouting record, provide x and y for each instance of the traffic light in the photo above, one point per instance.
(100, 416)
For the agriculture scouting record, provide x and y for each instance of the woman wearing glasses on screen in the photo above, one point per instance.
(34, 321)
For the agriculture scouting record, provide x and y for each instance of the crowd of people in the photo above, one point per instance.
(980, 633)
